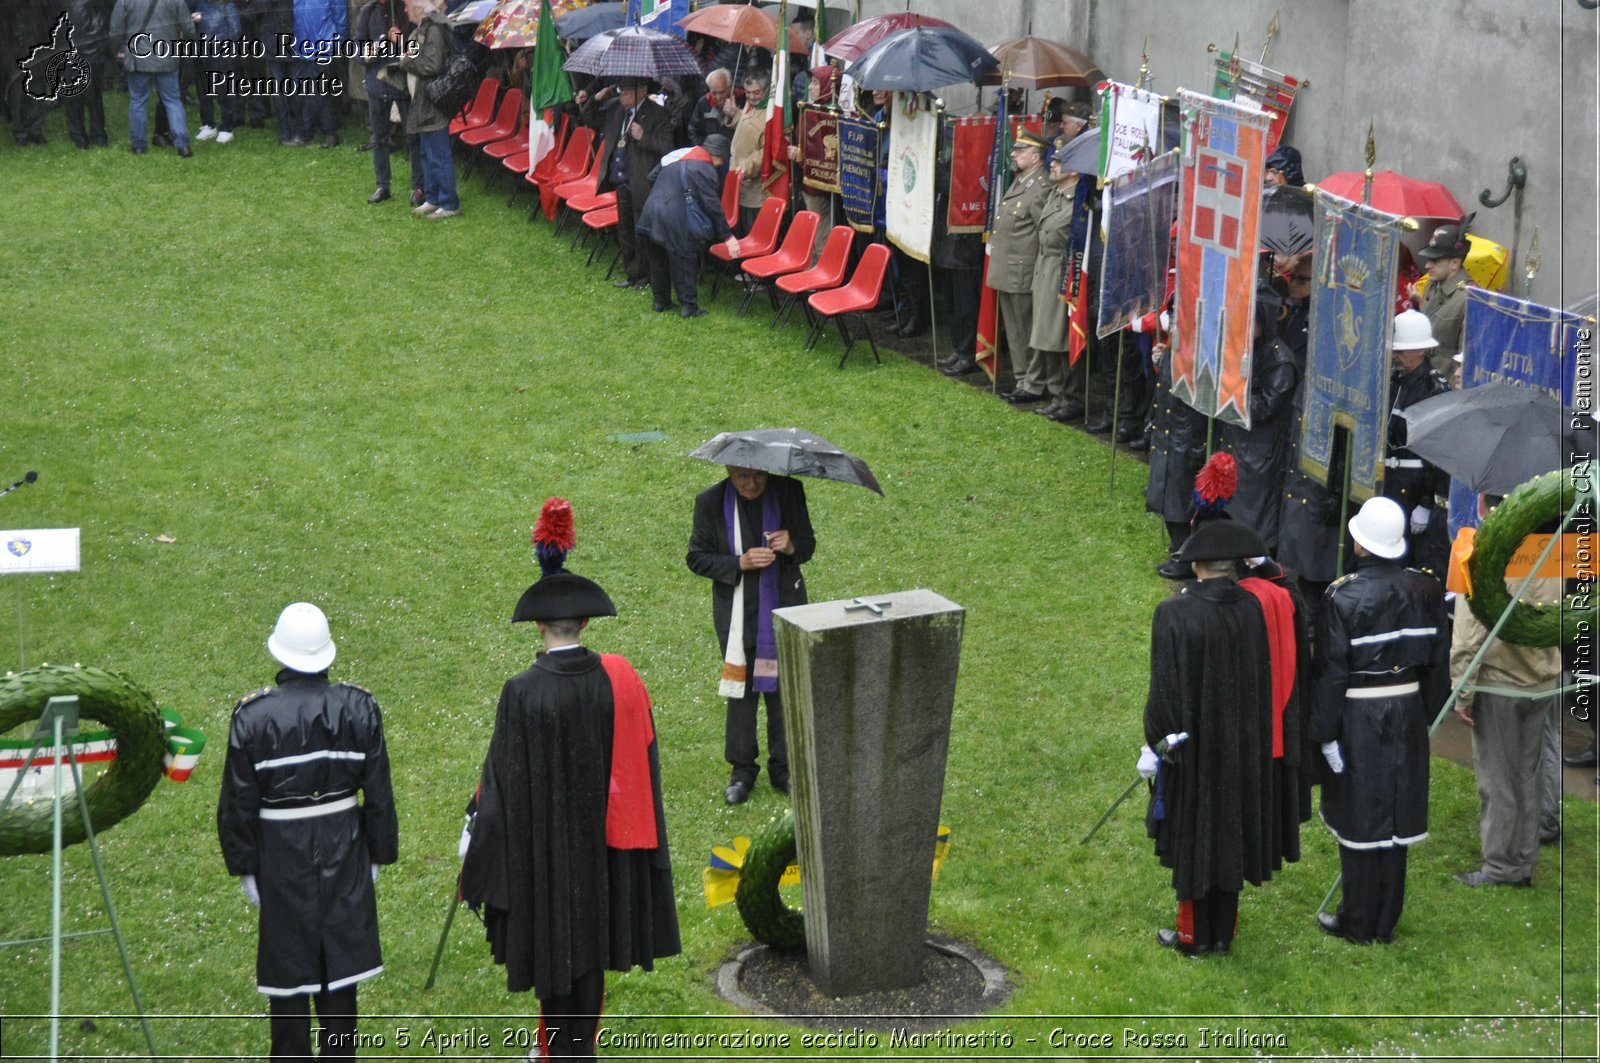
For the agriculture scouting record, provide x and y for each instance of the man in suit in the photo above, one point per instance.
(1013, 250)
(752, 532)
(635, 132)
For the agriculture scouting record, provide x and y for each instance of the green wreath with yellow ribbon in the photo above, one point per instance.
(1533, 505)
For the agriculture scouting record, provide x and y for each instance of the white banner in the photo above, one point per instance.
(1130, 119)
(908, 191)
(39, 550)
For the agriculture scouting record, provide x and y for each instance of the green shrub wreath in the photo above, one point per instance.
(125, 708)
(1531, 506)
(769, 920)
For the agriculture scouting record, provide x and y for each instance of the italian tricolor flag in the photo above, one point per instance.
(775, 146)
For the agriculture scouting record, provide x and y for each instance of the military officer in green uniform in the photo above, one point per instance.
(1013, 250)
(1445, 301)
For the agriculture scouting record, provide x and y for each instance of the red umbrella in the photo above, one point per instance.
(1396, 194)
(735, 23)
(848, 44)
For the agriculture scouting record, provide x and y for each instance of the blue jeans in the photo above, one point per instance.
(166, 84)
(438, 170)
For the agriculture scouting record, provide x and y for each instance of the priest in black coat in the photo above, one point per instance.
(1209, 716)
(568, 842)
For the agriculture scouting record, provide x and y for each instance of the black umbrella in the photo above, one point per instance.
(1494, 438)
(1286, 220)
(591, 21)
(788, 452)
(921, 60)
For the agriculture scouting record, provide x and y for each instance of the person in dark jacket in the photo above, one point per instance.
(426, 122)
(143, 32)
(1208, 728)
(1383, 671)
(751, 534)
(566, 848)
(320, 27)
(305, 850)
(371, 30)
(91, 36)
(266, 24)
(713, 112)
(635, 132)
(673, 249)
(1262, 450)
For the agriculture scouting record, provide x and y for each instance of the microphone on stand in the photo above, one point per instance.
(31, 477)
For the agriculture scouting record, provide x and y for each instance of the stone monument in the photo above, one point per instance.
(868, 689)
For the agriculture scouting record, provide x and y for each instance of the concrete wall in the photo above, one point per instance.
(1453, 90)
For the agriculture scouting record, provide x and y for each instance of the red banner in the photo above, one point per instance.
(817, 135)
(969, 174)
(988, 325)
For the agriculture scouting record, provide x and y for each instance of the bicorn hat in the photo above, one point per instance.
(1222, 540)
(559, 594)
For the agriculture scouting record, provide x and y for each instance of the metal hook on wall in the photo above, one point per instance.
(1516, 178)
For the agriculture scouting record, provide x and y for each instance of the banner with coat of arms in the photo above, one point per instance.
(1513, 341)
(908, 195)
(1353, 264)
(1130, 128)
(1219, 208)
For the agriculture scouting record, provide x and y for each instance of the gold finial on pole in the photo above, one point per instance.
(1372, 157)
(1272, 31)
(1144, 65)
(1530, 262)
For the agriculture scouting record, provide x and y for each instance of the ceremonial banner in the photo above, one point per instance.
(1138, 242)
(1240, 79)
(913, 166)
(988, 355)
(1353, 264)
(1130, 121)
(551, 87)
(1219, 209)
(969, 174)
(817, 133)
(858, 172)
(660, 15)
(780, 116)
(1513, 341)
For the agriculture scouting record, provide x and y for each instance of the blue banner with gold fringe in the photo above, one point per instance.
(860, 186)
(1354, 263)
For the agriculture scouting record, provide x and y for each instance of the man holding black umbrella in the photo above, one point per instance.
(751, 534)
(635, 132)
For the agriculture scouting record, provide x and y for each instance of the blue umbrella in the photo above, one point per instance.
(921, 60)
(591, 21)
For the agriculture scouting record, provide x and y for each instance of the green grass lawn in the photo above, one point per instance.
(313, 398)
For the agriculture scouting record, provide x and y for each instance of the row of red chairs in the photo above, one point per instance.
(568, 180)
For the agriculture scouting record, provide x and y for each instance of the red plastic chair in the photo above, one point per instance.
(503, 126)
(856, 297)
(481, 110)
(730, 197)
(829, 272)
(500, 150)
(761, 241)
(601, 223)
(794, 255)
(553, 171)
(582, 186)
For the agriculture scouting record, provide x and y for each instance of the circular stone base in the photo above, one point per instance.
(957, 980)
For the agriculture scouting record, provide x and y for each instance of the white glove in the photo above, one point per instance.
(1419, 519)
(1148, 761)
(374, 874)
(1174, 741)
(1166, 321)
(247, 883)
(1330, 753)
(465, 842)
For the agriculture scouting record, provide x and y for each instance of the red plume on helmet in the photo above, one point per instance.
(1215, 484)
(553, 535)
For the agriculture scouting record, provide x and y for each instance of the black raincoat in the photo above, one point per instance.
(298, 755)
(1262, 451)
(1380, 627)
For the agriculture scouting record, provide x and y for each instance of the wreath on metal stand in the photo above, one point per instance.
(1533, 505)
(133, 721)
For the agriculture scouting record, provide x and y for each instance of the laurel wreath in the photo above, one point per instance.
(1534, 504)
(768, 919)
(111, 699)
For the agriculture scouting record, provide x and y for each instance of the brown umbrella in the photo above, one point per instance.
(736, 23)
(1036, 63)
